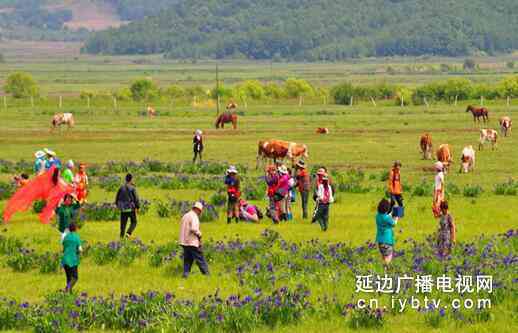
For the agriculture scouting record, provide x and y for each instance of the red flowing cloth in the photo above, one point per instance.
(40, 188)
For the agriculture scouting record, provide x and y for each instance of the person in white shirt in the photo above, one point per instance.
(190, 240)
(439, 187)
(325, 197)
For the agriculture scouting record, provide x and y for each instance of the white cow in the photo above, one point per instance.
(505, 125)
(488, 136)
(467, 159)
(62, 119)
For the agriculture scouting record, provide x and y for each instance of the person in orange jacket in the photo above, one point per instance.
(394, 185)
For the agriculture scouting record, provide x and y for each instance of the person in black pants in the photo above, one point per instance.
(190, 240)
(197, 142)
(128, 203)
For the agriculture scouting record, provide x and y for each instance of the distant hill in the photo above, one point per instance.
(309, 29)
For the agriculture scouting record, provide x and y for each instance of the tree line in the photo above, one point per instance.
(22, 85)
(312, 30)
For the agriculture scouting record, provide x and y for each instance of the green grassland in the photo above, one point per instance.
(361, 138)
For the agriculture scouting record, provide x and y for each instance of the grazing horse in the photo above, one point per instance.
(62, 119)
(426, 146)
(444, 155)
(478, 113)
(226, 118)
(322, 130)
(467, 160)
(151, 112)
(487, 136)
(505, 125)
(277, 149)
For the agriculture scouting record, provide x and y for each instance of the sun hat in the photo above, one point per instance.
(282, 169)
(301, 164)
(198, 205)
(198, 132)
(439, 165)
(70, 164)
(232, 169)
(321, 172)
(49, 152)
(39, 154)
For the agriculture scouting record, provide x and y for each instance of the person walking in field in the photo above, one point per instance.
(439, 190)
(81, 182)
(190, 240)
(394, 185)
(318, 180)
(272, 179)
(127, 201)
(385, 231)
(197, 142)
(283, 192)
(70, 259)
(447, 231)
(68, 173)
(324, 200)
(66, 213)
(233, 192)
(303, 185)
(40, 162)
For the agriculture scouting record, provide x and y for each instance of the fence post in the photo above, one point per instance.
(32, 102)
(325, 100)
(300, 101)
(373, 101)
(5, 102)
(351, 101)
(402, 100)
(88, 102)
(508, 101)
(426, 102)
(60, 101)
(115, 102)
(456, 98)
(481, 100)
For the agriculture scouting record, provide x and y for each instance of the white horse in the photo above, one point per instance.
(63, 119)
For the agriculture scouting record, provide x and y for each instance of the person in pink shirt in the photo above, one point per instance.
(248, 212)
(190, 240)
(283, 191)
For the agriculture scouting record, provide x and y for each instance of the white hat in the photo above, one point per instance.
(49, 152)
(282, 169)
(70, 164)
(39, 154)
(198, 132)
(232, 169)
(198, 205)
(439, 166)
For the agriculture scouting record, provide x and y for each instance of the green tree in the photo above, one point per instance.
(252, 89)
(174, 91)
(509, 87)
(403, 96)
(21, 85)
(143, 89)
(460, 88)
(469, 64)
(342, 93)
(298, 88)
(274, 91)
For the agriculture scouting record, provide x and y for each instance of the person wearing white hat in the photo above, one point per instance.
(197, 142)
(39, 162)
(324, 199)
(283, 191)
(233, 191)
(190, 240)
(52, 159)
(68, 173)
(439, 188)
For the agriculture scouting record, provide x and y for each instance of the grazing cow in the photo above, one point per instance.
(63, 119)
(478, 113)
(151, 111)
(225, 118)
(505, 125)
(277, 149)
(487, 136)
(444, 155)
(426, 146)
(322, 130)
(467, 159)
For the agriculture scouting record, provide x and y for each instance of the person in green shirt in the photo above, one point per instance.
(70, 260)
(68, 173)
(66, 212)
(384, 231)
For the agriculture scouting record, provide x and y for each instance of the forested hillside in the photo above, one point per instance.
(310, 29)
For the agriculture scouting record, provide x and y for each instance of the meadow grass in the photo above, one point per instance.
(363, 137)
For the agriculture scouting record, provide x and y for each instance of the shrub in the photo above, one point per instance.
(507, 188)
(20, 85)
(143, 89)
(342, 94)
(472, 191)
(49, 263)
(23, 260)
(6, 190)
(367, 318)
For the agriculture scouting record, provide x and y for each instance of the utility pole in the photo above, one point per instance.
(217, 89)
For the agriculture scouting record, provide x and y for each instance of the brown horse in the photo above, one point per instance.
(226, 118)
(478, 113)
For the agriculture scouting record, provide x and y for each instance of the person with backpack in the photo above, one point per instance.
(233, 192)
(127, 201)
(447, 231)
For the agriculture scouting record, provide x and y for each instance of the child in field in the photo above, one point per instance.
(447, 231)
(70, 260)
(81, 182)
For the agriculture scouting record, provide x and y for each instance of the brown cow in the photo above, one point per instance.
(225, 118)
(505, 125)
(151, 111)
(426, 146)
(444, 155)
(277, 149)
(322, 130)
